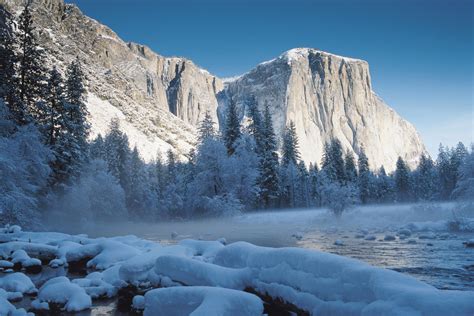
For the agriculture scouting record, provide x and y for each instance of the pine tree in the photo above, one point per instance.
(206, 128)
(290, 148)
(31, 71)
(267, 181)
(333, 161)
(118, 154)
(303, 193)
(314, 184)
(458, 154)
(446, 169)
(425, 176)
(402, 180)
(51, 115)
(232, 128)
(77, 125)
(256, 124)
(8, 79)
(97, 148)
(465, 185)
(364, 176)
(350, 167)
(139, 197)
(384, 188)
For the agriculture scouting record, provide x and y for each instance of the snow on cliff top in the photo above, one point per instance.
(295, 53)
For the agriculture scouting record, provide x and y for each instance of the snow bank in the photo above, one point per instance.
(324, 283)
(216, 274)
(201, 301)
(60, 290)
(192, 272)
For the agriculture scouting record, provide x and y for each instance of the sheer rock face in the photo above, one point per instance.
(327, 96)
(161, 100)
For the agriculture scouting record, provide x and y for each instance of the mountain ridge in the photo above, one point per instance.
(161, 100)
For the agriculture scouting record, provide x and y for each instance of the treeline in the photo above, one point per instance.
(44, 130)
(48, 169)
(241, 169)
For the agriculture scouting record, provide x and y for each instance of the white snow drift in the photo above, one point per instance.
(208, 277)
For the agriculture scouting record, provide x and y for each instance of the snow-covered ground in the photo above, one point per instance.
(210, 277)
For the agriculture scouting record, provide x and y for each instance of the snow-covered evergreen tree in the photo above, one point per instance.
(350, 167)
(364, 176)
(465, 185)
(140, 199)
(8, 77)
(384, 187)
(117, 152)
(242, 171)
(302, 191)
(402, 181)
(290, 148)
(232, 128)
(333, 161)
(425, 179)
(24, 170)
(31, 70)
(314, 185)
(255, 126)
(97, 148)
(267, 181)
(76, 115)
(288, 182)
(206, 128)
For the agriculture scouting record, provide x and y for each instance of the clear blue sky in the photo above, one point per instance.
(420, 51)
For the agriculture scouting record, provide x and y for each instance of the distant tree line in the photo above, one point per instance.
(48, 167)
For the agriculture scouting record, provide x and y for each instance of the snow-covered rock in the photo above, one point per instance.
(323, 283)
(61, 291)
(17, 282)
(8, 309)
(201, 301)
(215, 275)
(192, 272)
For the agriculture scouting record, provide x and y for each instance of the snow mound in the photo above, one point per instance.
(323, 283)
(201, 301)
(60, 290)
(17, 282)
(7, 309)
(192, 272)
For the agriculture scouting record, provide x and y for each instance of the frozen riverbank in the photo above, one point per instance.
(261, 277)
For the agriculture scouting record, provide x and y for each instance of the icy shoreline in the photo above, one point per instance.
(219, 279)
